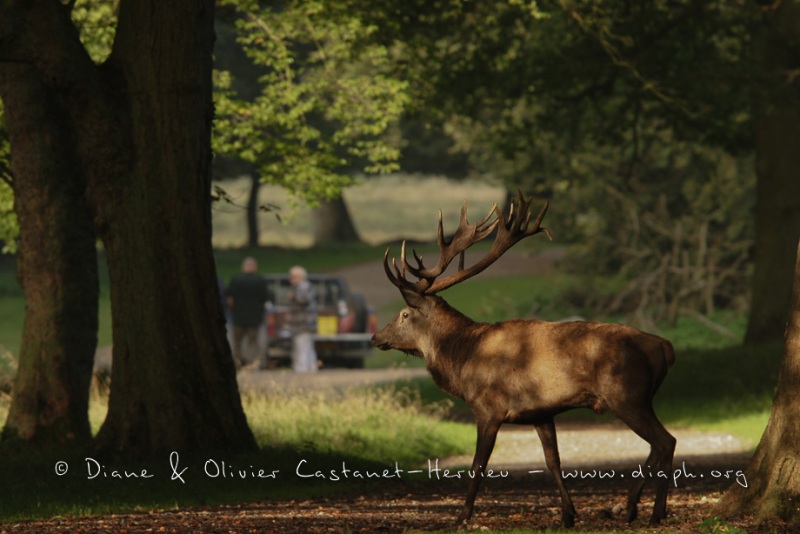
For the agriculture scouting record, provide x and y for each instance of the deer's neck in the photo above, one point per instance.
(452, 335)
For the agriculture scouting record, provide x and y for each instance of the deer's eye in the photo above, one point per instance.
(405, 315)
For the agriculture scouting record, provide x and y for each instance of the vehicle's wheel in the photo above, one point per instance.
(361, 312)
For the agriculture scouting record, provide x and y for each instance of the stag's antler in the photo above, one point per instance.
(509, 231)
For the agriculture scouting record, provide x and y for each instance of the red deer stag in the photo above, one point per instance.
(527, 371)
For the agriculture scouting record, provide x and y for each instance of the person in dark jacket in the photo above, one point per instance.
(246, 294)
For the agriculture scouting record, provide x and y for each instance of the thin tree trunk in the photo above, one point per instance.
(333, 224)
(252, 211)
(57, 268)
(773, 475)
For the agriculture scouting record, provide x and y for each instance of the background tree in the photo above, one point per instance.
(773, 488)
(229, 57)
(776, 102)
(57, 269)
(57, 260)
(139, 127)
(773, 480)
(537, 83)
(323, 108)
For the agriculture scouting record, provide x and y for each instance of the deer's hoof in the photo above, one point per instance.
(656, 518)
(463, 520)
(633, 513)
(568, 519)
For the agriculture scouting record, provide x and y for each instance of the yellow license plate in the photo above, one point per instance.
(327, 326)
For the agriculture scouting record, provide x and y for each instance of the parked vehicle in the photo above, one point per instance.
(345, 322)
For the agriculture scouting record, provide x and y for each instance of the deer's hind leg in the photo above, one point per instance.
(644, 422)
(547, 435)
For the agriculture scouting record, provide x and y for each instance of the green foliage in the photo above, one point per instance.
(676, 227)
(9, 226)
(96, 21)
(633, 118)
(324, 106)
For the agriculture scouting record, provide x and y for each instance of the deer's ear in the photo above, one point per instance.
(414, 300)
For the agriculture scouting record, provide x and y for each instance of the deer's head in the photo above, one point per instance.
(413, 327)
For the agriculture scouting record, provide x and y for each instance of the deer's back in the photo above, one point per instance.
(538, 363)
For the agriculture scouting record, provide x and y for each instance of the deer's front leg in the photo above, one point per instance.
(487, 435)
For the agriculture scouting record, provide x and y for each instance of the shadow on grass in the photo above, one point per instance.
(47, 486)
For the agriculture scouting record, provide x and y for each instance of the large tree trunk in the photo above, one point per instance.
(333, 224)
(57, 268)
(773, 475)
(143, 137)
(173, 379)
(777, 131)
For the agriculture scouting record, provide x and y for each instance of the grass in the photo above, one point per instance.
(373, 205)
(307, 442)
(383, 424)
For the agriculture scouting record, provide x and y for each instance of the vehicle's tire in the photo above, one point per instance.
(361, 312)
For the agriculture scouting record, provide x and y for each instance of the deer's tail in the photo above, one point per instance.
(669, 352)
(661, 360)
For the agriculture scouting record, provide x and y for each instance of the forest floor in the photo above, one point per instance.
(517, 501)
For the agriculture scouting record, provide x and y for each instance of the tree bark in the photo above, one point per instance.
(57, 268)
(773, 475)
(333, 224)
(777, 129)
(143, 137)
(173, 380)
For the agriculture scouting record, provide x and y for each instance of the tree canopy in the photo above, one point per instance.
(322, 106)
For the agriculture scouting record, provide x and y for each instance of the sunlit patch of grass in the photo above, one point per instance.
(383, 425)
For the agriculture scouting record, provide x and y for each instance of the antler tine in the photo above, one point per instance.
(403, 262)
(536, 227)
(389, 274)
(511, 228)
(395, 273)
(440, 238)
(414, 271)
